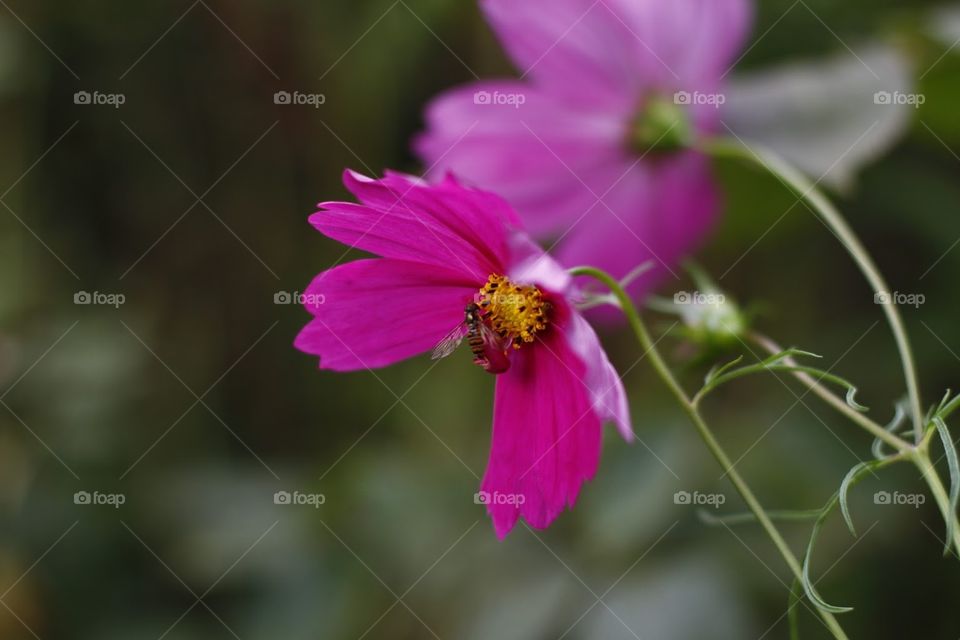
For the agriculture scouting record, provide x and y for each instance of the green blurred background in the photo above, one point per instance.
(188, 400)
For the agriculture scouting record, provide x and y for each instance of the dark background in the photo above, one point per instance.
(191, 201)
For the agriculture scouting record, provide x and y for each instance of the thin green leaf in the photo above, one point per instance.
(699, 276)
(851, 478)
(598, 300)
(954, 465)
(742, 518)
(848, 481)
(636, 272)
(660, 304)
(934, 412)
(949, 408)
(792, 352)
(900, 413)
(943, 402)
(774, 363)
(718, 370)
(808, 587)
(851, 400)
(821, 375)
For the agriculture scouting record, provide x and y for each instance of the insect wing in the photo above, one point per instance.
(449, 343)
(494, 359)
(490, 338)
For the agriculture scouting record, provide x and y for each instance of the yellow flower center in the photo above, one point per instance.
(515, 312)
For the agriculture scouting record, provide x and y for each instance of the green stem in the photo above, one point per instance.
(647, 344)
(922, 460)
(808, 191)
(872, 427)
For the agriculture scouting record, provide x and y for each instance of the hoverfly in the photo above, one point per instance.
(488, 348)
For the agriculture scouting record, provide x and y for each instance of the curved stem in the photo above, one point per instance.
(830, 398)
(806, 190)
(643, 336)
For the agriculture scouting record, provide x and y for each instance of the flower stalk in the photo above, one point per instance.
(704, 431)
(918, 451)
(807, 191)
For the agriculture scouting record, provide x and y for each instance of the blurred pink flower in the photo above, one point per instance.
(601, 83)
(447, 251)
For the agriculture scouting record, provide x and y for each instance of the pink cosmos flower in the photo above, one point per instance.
(586, 145)
(454, 264)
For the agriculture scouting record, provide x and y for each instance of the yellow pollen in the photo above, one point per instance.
(515, 312)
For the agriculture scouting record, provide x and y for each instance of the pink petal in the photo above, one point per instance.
(403, 218)
(530, 264)
(549, 158)
(607, 394)
(546, 436)
(621, 47)
(659, 214)
(687, 44)
(455, 204)
(372, 313)
(579, 48)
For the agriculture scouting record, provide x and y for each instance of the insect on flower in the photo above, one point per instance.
(454, 264)
(489, 344)
(488, 348)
